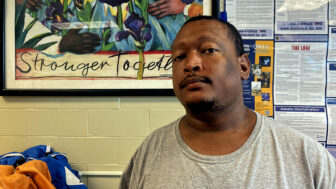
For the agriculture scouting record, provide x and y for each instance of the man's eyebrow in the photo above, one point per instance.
(176, 45)
(207, 38)
(203, 38)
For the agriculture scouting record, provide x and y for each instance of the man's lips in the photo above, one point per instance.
(193, 79)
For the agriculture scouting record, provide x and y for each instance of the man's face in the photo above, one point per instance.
(205, 65)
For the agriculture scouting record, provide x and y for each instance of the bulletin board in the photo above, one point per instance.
(292, 47)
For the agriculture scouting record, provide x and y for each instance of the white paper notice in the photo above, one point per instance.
(331, 105)
(254, 20)
(332, 12)
(309, 120)
(301, 17)
(332, 44)
(299, 73)
(331, 79)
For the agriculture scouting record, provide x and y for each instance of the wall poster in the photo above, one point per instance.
(94, 45)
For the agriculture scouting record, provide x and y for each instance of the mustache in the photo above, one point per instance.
(192, 78)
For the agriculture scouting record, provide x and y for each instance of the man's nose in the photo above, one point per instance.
(193, 63)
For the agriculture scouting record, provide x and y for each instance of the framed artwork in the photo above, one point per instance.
(92, 47)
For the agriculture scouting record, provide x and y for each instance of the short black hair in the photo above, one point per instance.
(232, 32)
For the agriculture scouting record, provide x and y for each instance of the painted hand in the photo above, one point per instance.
(33, 5)
(79, 43)
(164, 8)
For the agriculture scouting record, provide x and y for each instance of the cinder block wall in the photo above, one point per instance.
(96, 133)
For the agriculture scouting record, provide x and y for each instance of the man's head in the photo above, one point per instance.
(232, 32)
(208, 65)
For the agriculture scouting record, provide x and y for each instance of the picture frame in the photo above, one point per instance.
(21, 80)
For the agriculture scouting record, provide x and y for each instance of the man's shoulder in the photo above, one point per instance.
(280, 128)
(289, 137)
(160, 136)
(165, 130)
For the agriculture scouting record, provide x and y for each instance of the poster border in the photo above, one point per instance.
(75, 92)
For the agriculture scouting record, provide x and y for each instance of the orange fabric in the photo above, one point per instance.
(31, 175)
(8, 180)
(6, 170)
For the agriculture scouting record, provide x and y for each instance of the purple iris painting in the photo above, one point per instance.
(54, 13)
(141, 32)
(136, 28)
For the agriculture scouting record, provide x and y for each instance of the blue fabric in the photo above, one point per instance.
(36, 152)
(57, 165)
(11, 158)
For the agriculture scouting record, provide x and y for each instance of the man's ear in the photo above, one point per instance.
(245, 66)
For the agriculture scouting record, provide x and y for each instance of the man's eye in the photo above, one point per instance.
(179, 58)
(209, 50)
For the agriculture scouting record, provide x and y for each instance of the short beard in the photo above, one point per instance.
(205, 106)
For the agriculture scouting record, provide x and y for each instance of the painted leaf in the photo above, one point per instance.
(108, 47)
(106, 34)
(33, 41)
(24, 34)
(19, 23)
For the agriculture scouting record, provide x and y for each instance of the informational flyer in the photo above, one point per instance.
(332, 12)
(331, 79)
(310, 120)
(299, 73)
(332, 44)
(331, 107)
(258, 89)
(301, 17)
(255, 20)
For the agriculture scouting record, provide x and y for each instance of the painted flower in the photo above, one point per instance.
(114, 3)
(136, 28)
(54, 14)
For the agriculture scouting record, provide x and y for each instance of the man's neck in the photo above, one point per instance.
(218, 134)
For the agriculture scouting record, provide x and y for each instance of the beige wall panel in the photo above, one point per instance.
(90, 102)
(78, 150)
(119, 123)
(28, 102)
(149, 102)
(105, 182)
(106, 167)
(90, 150)
(43, 122)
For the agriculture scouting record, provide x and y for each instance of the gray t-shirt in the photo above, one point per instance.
(274, 156)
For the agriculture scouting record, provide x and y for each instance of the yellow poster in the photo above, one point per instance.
(262, 85)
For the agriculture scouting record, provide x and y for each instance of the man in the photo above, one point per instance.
(220, 143)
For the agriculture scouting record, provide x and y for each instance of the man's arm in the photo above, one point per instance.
(164, 8)
(325, 170)
(79, 43)
(126, 176)
(33, 5)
